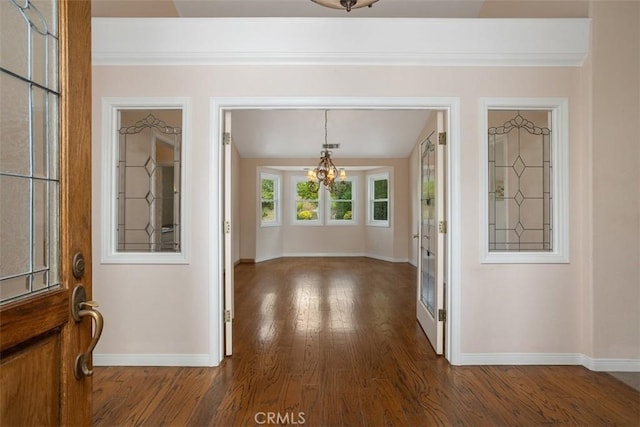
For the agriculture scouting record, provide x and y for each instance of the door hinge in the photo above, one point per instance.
(226, 138)
(227, 316)
(442, 226)
(442, 138)
(442, 315)
(227, 227)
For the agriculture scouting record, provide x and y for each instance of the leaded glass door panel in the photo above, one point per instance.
(430, 301)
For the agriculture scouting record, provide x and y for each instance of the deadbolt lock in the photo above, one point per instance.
(78, 265)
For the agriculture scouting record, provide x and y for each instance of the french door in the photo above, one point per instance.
(228, 241)
(431, 231)
(45, 213)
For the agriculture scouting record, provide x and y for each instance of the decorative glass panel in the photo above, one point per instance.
(29, 186)
(428, 243)
(519, 175)
(148, 174)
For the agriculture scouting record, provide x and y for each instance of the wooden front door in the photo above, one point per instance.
(45, 216)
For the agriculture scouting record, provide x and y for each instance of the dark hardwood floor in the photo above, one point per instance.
(334, 342)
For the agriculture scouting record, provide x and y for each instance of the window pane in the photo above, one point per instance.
(342, 191)
(307, 210)
(268, 212)
(380, 211)
(380, 190)
(304, 193)
(268, 186)
(342, 211)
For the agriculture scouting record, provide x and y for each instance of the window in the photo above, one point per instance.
(342, 203)
(525, 177)
(269, 200)
(144, 176)
(378, 206)
(306, 203)
(323, 207)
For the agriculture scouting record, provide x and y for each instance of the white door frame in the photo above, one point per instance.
(216, 185)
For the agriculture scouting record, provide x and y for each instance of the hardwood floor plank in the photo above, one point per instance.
(335, 342)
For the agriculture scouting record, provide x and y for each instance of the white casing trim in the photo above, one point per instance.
(450, 104)
(108, 181)
(559, 108)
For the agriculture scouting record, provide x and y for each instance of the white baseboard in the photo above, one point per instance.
(611, 365)
(520, 359)
(322, 254)
(266, 258)
(467, 359)
(151, 360)
(608, 365)
(342, 254)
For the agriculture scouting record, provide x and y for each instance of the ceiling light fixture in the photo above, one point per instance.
(326, 172)
(345, 4)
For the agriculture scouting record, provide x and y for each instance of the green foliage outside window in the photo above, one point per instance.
(341, 201)
(267, 198)
(381, 200)
(306, 202)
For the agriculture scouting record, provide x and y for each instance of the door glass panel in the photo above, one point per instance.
(14, 119)
(29, 185)
(15, 212)
(429, 228)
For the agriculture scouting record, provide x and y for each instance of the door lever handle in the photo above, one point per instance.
(82, 308)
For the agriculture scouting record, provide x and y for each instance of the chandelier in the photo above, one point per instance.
(345, 4)
(326, 172)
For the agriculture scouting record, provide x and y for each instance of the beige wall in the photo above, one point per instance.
(504, 308)
(615, 155)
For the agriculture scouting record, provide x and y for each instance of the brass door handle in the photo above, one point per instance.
(415, 236)
(82, 308)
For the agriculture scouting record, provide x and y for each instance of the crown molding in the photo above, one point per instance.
(340, 41)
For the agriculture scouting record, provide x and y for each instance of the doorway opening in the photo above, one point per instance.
(222, 174)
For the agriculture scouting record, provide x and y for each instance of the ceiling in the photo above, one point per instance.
(362, 133)
(285, 8)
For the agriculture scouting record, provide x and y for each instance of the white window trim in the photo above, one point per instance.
(108, 228)
(560, 180)
(370, 179)
(294, 196)
(354, 202)
(277, 205)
